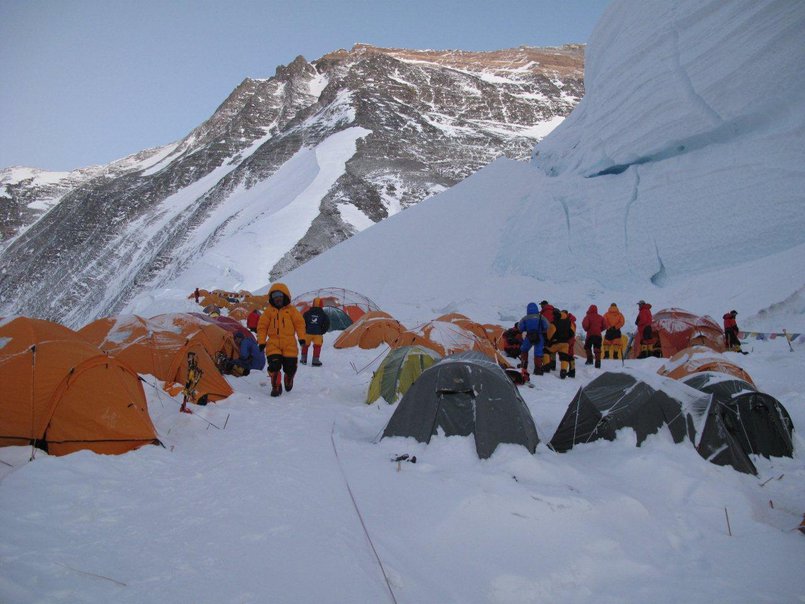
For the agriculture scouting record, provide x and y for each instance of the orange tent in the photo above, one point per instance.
(463, 321)
(370, 331)
(210, 335)
(148, 349)
(677, 329)
(64, 395)
(697, 359)
(238, 313)
(447, 338)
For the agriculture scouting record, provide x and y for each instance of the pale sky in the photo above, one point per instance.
(90, 81)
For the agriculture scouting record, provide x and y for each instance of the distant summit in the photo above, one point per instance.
(329, 147)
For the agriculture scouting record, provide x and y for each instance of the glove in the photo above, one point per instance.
(262, 347)
(302, 343)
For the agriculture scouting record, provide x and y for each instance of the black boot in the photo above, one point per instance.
(589, 360)
(563, 374)
(316, 362)
(571, 373)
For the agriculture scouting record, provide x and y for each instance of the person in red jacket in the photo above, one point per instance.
(593, 325)
(644, 334)
(731, 332)
(252, 320)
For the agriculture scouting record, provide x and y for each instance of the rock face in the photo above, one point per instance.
(427, 119)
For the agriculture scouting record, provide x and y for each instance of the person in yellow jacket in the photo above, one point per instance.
(278, 329)
(613, 342)
(560, 333)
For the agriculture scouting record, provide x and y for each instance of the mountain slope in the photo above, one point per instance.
(418, 122)
(640, 193)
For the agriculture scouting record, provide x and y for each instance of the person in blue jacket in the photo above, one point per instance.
(534, 327)
(251, 357)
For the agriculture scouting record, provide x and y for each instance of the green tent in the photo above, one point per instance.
(339, 320)
(401, 367)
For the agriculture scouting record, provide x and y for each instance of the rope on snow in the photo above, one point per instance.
(360, 516)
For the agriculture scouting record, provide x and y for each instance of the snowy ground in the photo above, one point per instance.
(255, 508)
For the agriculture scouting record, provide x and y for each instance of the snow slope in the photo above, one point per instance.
(292, 499)
(701, 205)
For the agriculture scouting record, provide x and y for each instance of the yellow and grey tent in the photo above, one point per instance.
(401, 367)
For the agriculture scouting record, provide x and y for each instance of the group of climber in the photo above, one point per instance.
(551, 333)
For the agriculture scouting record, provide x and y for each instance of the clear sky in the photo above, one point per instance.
(90, 81)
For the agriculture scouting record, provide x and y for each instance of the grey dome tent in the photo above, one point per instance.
(646, 402)
(757, 421)
(465, 393)
(616, 400)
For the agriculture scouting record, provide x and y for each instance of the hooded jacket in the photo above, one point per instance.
(614, 318)
(278, 324)
(643, 317)
(533, 324)
(593, 323)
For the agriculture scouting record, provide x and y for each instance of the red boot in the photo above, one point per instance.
(276, 382)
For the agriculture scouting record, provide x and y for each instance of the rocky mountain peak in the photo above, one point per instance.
(414, 122)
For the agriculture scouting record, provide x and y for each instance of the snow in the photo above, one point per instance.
(294, 499)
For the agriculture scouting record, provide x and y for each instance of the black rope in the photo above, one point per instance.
(360, 517)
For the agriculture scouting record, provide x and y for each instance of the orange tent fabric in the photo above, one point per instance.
(370, 331)
(63, 394)
(678, 329)
(211, 336)
(149, 350)
(465, 322)
(238, 313)
(697, 359)
(447, 338)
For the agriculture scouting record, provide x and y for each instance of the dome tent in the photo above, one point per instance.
(678, 329)
(398, 371)
(463, 394)
(697, 359)
(370, 331)
(646, 402)
(148, 349)
(63, 395)
(621, 399)
(757, 421)
(343, 306)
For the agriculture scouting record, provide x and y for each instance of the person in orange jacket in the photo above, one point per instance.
(644, 332)
(278, 329)
(613, 321)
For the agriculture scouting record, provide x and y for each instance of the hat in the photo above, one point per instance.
(642, 302)
(543, 303)
(733, 312)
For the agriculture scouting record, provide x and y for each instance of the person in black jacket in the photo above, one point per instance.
(316, 324)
